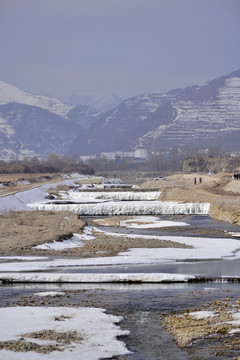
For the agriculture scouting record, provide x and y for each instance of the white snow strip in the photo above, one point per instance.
(114, 195)
(75, 241)
(50, 293)
(236, 319)
(151, 222)
(203, 248)
(98, 330)
(202, 314)
(237, 234)
(128, 208)
(234, 331)
(61, 245)
(24, 258)
(95, 278)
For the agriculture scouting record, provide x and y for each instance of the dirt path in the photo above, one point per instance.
(220, 190)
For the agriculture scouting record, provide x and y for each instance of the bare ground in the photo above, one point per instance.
(21, 182)
(220, 190)
(188, 330)
(21, 231)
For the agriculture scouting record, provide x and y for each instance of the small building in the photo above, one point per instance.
(141, 154)
(108, 155)
(117, 155)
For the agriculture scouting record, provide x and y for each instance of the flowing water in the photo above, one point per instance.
(143, 306)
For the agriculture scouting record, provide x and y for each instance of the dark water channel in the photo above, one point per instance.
(143, 308)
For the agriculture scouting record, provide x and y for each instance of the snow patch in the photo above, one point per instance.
(151, 222)
(199, 315)
(75, 241)
(237, 234)
(203, 249)
(98, 330)
(96, 278)
(50, 293)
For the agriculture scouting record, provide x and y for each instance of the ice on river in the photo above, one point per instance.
(113, 195)
(128, 208)
(96, 278)
(148, 222)
(202, 249)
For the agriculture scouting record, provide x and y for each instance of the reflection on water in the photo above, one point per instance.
(143, 305)
(198, 226)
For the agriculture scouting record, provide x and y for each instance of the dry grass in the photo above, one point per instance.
(188, 329)
(16, 181)
(219, 190)
(22, 230)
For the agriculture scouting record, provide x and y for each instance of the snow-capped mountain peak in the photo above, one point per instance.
(12, 94)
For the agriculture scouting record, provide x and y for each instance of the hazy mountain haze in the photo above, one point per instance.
(126, 47)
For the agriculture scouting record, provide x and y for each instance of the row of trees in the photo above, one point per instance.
(54, 163)
(160, 161)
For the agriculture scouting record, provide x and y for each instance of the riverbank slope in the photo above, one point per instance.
(220, 190)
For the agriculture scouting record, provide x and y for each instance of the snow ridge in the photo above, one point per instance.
(12, 94)
(198, 120)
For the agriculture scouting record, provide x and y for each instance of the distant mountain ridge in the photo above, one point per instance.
(34, 125)
(27, 131)
(195, 116)
(12, 94)
(101, 102)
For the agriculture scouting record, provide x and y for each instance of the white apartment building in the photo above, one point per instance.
(141, 154)
(137, 154)
(116, 155)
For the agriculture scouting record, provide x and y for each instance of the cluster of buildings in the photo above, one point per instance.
(138, 155)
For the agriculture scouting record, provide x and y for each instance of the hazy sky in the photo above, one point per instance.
(127, 47)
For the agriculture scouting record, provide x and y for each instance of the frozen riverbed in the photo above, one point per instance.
(131, 284)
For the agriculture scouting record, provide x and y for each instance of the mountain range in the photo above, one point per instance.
(196, 116)
(102, 102)
(35, 125)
